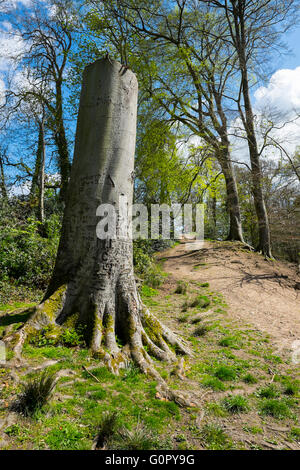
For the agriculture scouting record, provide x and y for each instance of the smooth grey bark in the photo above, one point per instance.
(93, 282)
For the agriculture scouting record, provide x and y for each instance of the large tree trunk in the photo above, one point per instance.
(61, 143)
(93, 282)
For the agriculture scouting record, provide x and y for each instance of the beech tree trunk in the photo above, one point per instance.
(93, 282)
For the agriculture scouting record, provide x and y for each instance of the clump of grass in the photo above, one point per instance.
(216, 409)
(181, 287)
(148, 291)
(229, 342)
(140, 438)
(215, 438)
(204, 284)
(236, 404)
(225, 373)
(196, 320)
(249, 379)
(185, 306)
(132, 372)
(277, 408)
(291, 387)
(106, 429)
(253, 429)
(201, 301)
(214, 383)
(270, 391)
(183, 318)
(200, 331)
(35, 394)
(295, 434)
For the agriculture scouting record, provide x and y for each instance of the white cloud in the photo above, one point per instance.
(8, 5)
(282, 94)
(279, 102)
(12, 45)
(2, 92)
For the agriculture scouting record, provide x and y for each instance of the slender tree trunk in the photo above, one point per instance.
(93, 282)
(2, 180)
(37, 166)
(214, 213)
(41, 213)
(264, 244)
(248, 120)
(233, 204)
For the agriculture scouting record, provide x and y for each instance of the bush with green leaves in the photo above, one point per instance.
(26, 256)
(144, 265)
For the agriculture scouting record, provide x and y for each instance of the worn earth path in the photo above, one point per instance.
(259, 292)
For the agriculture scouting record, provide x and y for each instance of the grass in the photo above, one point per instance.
(230, 342)
(201, 331)
(148, 291)
(270, 391)
(107, 428)
(295, 434)
(225, 373)
(35, 394)
(214, 383)
(249, 379)
(140, 438)
(236, 404)
(278, 409)
(201, 301)
(215, 438)
(225, 361)
(181, 288)
(291, 387)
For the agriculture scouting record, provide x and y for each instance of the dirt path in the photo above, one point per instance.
(259, 292)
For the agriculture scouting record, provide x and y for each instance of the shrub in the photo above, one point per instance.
(25, 255)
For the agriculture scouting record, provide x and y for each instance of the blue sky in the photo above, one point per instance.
(282, 91)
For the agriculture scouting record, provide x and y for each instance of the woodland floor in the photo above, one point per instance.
(241, 316)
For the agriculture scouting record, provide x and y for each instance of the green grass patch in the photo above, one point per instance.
(215, 438)
(225, 373)
(276, 408)
(236, 404)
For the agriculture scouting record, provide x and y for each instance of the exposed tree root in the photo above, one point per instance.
(144, 336)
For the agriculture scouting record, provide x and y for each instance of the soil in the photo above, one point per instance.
(263, 293)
